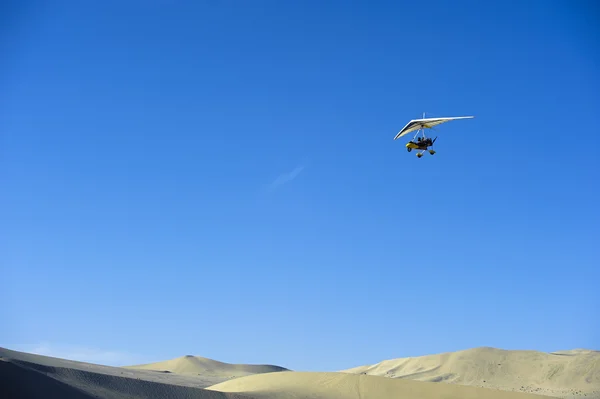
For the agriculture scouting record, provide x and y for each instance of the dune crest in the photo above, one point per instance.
(572, 373)
(200, 365)
(336, 385)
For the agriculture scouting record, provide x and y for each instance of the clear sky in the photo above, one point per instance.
(219, 178)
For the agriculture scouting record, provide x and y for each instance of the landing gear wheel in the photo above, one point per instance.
(408, 149)
(419, 155)
(431, 152)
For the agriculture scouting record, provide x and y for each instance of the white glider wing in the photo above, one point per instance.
(426, 123)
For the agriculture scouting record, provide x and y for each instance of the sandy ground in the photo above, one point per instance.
(564, 374)
(24, 375)
(333, 385)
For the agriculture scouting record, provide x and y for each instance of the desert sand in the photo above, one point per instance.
(574, 373)
(330, 385)
(24, 375)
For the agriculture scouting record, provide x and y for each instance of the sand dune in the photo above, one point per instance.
(566, 374)
(23, 372)
(19, 381)
(332, 385)
(448, 375)
(196, 365)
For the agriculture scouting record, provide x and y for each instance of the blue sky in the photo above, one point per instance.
(220, 179)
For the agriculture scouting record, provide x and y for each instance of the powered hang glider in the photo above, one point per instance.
(419, 125)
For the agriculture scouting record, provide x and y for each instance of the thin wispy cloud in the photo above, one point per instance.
(81, 354)
(286, 177)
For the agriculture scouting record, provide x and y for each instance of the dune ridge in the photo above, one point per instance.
(201, 365)
(565, 374)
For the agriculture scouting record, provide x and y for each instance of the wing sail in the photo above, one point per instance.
(426, 123)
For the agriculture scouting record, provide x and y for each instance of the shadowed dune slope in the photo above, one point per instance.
(335, 385)
(201, 365)
(24, 375)
(571, 373)
(19, 382)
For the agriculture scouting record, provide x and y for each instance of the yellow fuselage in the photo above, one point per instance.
(416, 146)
